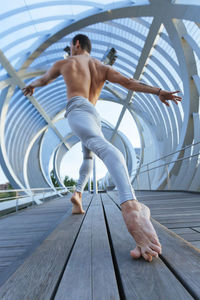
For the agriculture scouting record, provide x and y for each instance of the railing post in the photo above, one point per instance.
(89, 185)
(17, 204)
(148, 177)
(138, 182)
(168, 178)
(32, 198)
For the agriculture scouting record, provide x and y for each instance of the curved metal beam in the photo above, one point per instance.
(174, 11)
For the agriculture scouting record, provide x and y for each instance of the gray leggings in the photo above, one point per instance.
(85, 122)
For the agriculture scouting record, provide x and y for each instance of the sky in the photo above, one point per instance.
(71, 162)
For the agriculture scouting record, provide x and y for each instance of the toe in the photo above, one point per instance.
(155, 241)
(155, 248)
(147, 256)
(152, 252)
(136, 253)
(148, 253)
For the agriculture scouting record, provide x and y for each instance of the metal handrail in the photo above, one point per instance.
(11, 198)
(166, 164)
(33, 189)
(151, 162)
(162, 165)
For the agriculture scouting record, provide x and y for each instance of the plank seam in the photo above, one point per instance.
(114, 260)
(194, 230)
(113, 200)
(65, 264)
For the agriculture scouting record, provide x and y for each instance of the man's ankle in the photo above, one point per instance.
(130, 205)
(79, 193)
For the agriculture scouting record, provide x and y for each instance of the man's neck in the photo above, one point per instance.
(83, 52)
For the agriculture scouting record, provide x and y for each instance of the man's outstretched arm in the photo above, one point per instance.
(48, 77)
(138, 86)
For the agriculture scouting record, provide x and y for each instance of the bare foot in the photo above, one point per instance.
(76, 200)
(137, 218)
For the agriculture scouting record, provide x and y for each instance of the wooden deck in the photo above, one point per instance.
(48, 253)
(180, 212)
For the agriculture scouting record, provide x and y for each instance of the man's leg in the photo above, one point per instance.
(136, 216)
(84, 173)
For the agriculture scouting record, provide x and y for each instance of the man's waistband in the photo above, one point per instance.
(76, 102)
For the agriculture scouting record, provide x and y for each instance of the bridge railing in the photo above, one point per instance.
(26, 197)
(165, 164)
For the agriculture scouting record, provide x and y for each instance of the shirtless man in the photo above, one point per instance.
(85, 77)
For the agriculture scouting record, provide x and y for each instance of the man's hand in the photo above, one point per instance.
(165, 95)
(28, 90)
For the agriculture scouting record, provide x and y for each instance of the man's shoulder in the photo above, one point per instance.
(98, 64)
(59, 63)
(96, 61)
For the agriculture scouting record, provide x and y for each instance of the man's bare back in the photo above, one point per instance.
(84, 76)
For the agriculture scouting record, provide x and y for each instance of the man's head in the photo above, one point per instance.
(79, 44)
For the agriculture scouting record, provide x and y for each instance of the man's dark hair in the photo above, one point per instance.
(84, 42)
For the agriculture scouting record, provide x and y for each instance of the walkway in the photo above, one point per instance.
(47, 253)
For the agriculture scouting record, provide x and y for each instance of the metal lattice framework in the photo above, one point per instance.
(157, 42)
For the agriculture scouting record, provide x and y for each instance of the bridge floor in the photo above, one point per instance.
(178, 211)
(47, 253)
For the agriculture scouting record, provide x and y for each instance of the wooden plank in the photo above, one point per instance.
(191, 202)
(182, 230)
(182, 256)
(13, 243)
(89, 273)
(164, 197)
(15, 228)
(172, 210)
(10, 252)
(182, 202)
(140, 279)
(180, 224)
(196, 244)
(195, 236)
(104, 287)
(172, 198)
(38, 276)
(173, 215)
(164, 192)
(172, 204)
(196, 228)
(186, 219)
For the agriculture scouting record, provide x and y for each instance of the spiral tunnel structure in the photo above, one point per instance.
(157, 42)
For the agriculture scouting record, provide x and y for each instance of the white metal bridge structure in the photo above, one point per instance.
(157, 41)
